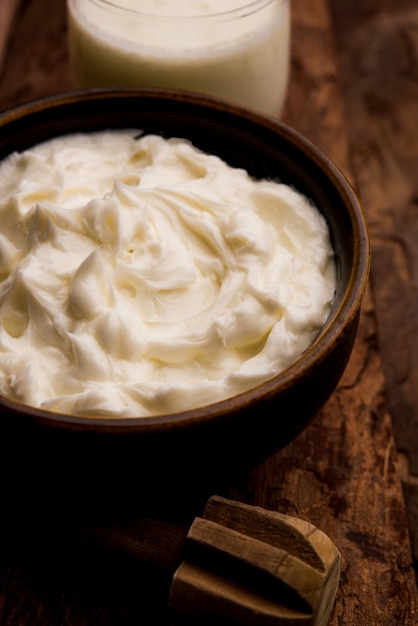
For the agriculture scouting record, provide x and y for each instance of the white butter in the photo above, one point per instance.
(140, 276)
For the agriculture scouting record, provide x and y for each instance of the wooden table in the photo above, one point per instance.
(354, 92)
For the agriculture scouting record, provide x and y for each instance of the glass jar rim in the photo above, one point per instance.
(248, 7)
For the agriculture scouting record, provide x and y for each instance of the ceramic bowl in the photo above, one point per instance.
(69, 456)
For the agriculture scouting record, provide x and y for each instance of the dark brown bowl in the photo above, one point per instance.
(131, 458)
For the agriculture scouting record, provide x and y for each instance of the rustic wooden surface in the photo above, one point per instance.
(353, 92)
(8, 12)
(379, 60)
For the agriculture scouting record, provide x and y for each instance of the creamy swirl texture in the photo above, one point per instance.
(141, 276)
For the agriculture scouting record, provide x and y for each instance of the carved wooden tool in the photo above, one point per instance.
(237, 564)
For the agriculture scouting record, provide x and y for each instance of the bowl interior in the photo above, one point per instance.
(265, 148)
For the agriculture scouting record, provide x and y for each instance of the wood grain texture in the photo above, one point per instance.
(8, 11)
(37, 64)
(379, 59)
(341, 474)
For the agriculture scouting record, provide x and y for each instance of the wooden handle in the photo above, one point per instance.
(246, 565)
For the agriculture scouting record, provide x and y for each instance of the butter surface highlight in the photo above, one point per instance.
(140, 276)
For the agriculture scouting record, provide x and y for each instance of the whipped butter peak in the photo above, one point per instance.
(141, 276)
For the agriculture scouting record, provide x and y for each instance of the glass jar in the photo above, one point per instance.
(240, 53)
